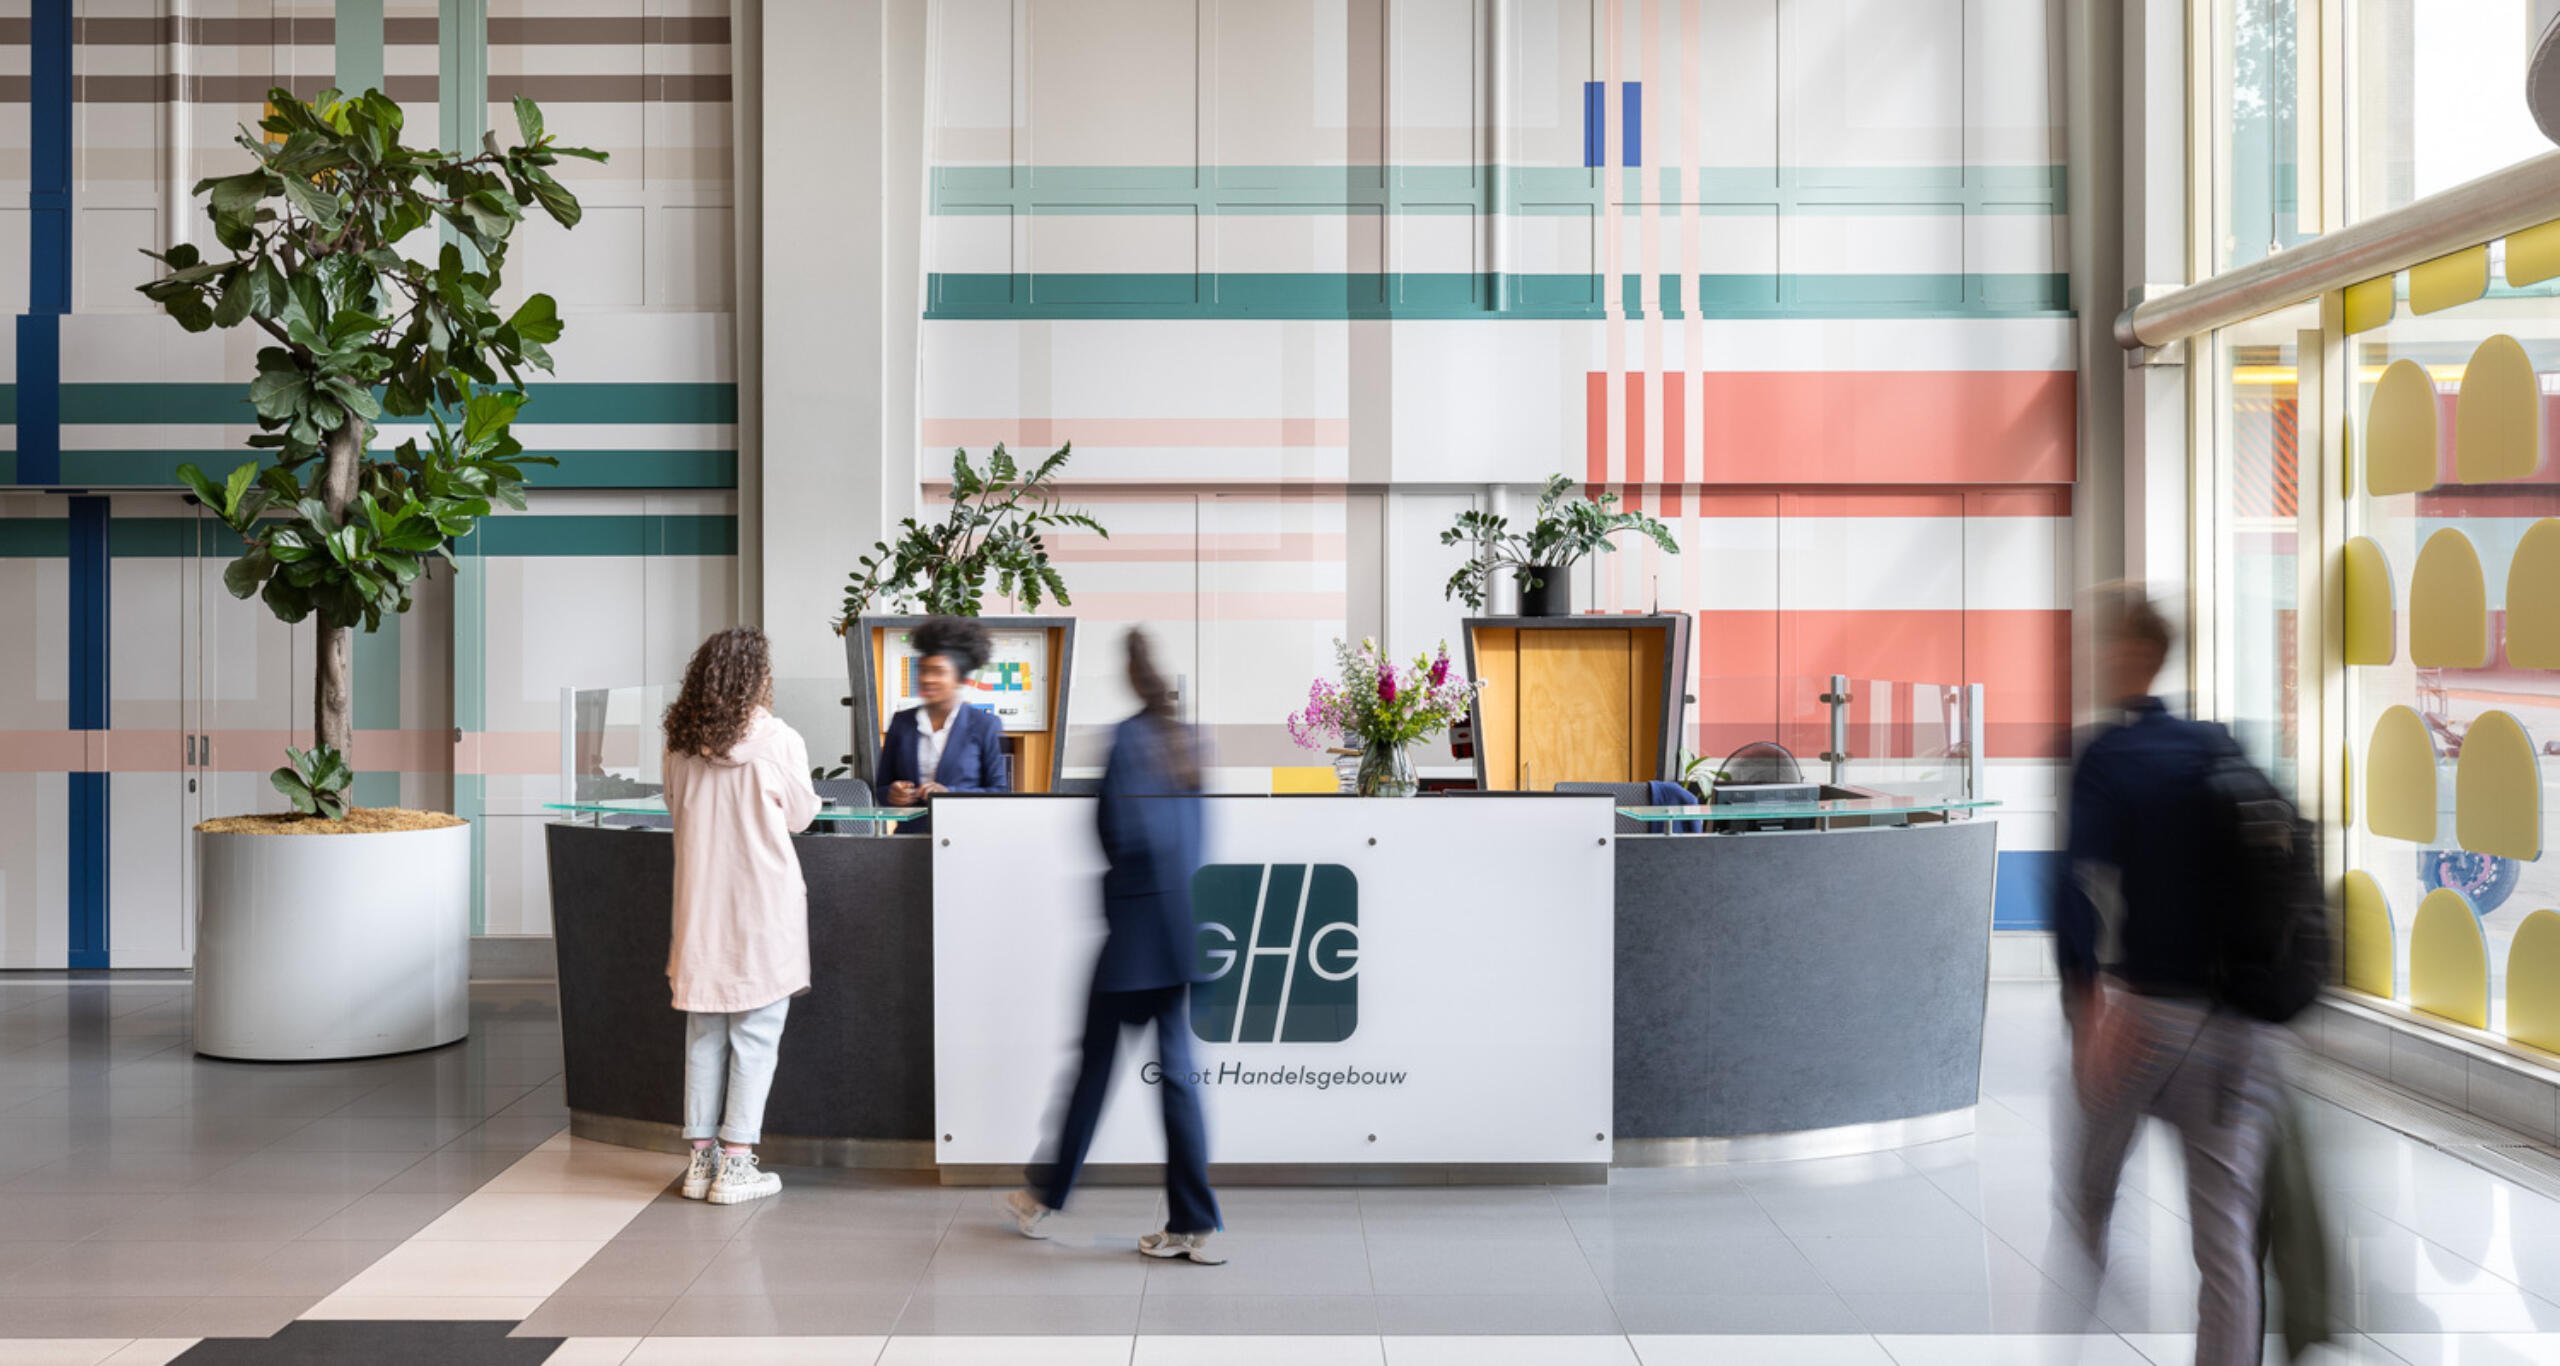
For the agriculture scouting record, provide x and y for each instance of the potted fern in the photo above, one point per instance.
(356, 942)
(1565, 532)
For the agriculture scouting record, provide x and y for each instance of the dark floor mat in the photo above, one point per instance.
(377, 1342)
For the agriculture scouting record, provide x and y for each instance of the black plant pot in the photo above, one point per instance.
(1552, 595)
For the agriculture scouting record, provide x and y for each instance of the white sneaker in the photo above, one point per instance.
(699, 1171)
(1028, 1213)
(739, 1181)
(1170, 1245)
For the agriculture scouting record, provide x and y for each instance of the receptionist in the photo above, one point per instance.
(944, 745)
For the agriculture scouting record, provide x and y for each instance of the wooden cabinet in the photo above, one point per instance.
(1577, 699)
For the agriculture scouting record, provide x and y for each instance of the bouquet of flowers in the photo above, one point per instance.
(1382, 710)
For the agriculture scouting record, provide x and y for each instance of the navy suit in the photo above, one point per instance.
(972, 756)
(1151, 825)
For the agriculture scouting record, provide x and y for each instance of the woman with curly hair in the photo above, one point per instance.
(944, 745)
(737, 785)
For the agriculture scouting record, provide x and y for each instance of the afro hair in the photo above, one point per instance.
(958, 639)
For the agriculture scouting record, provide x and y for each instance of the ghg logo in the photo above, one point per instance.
(1279, 948)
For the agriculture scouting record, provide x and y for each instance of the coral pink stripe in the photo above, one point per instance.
(1675, 450)
(1595, 414)
(44, 751)
(1879, 501)
(1027, 432)
(1635, 427)
(1879, 427)
(1326, 607)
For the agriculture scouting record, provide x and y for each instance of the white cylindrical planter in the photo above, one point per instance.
(312, 947)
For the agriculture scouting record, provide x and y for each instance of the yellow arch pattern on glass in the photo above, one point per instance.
(2449, 960)
(2533, 255)
(2533, 598)
(2400, 431)
(2449, 281)
(2497, 420)
(2347, 786)
(2448, 605)
(2533, 982)
(2497, 789)
(2400, 778)
(2371, 638)
(2369, 305)
(2369, 945)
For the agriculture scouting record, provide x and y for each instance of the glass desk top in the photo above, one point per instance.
(651, 806)
(1814, 810)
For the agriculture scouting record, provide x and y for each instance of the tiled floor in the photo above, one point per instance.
(149, 1199)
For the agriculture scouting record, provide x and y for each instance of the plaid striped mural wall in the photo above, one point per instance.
(626, 558)
(1302, 278)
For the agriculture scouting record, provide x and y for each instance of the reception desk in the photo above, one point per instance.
(1660, 998)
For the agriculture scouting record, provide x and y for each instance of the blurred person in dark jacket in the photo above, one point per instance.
(1150, 819)
(2135, 933)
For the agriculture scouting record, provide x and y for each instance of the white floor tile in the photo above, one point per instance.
(1510, 1351)
(2473, 1349)
(1023, 1351)
(1737, 1350)
(487, 1307)
(486, 1267)
(1960, 1350)
(538, 1216)
(813, 1351)
(591, 1352)
(154, 1352)
(2349, 1349)
(1172, 1350)
(60, 1351)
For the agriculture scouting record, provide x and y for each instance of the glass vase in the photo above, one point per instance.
(1385, 771)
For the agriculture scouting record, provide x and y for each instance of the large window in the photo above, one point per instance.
(2254, 518)
(2263, 170)
(2435, 95)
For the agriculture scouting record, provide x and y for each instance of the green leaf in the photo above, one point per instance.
(528, 120)
(537, 319)
(295, 790)
(243, 575)
(237, 485)
(206, 491)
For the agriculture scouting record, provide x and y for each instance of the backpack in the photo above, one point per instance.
(2272, 955)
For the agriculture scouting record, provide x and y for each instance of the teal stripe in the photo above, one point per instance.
(36, 538)
(576, 470)
(136, 537)
(548, 403)
(1457, 295)
(359, 46)
(376, 789)
(8, 403)
(1530, 190)
(540, 535)
(377, 669)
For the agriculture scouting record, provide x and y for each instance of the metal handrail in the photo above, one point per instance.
(2521, 196)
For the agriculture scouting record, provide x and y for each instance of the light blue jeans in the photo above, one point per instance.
(728, 1069)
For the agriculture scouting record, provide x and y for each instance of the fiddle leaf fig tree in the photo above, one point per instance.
(317, 245)
(993, 532)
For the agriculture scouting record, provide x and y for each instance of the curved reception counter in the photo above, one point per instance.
(1427, 989)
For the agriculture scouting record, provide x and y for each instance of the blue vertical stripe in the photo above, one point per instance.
(1595, 124)
(88, 686)
(1632, 116)
(48, 242)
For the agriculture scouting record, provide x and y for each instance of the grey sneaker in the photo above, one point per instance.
(1028, 1213)
(698, 1173)
(739, 1181)
(1169, 1245)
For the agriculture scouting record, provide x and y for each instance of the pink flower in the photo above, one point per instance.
(1386, 687)
(1440, 670)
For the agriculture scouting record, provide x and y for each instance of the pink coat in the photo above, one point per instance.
(741, 910)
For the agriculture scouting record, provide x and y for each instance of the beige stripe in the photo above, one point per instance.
(248, 91)
(709, 30)
(631, 89)
(605, 30)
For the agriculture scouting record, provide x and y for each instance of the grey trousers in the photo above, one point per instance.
(728, 1071)
(2217, 1079)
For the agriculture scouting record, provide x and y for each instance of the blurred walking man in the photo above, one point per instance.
(2145, 936)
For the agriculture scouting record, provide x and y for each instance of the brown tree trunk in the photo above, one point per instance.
(333, 680)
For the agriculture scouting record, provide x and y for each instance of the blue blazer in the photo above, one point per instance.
(972, 755)
(1152, 827)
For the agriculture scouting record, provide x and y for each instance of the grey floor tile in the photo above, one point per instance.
(1270, 1264)
(67, 1216)
(598, 1316)
(942, 1315)
(1735, 1314)
(1993, 1312)
(815, 1210)
(133, 1269)
(1472, 1315)
(452, 1100)
(103, 1171)
(344, 1133)
(1018, 1266)
(313, 1268)
(308, 1173)
(1677, 1263)
(457, 1171)
(779, 1315)
(628, 1267)
(862, 1266)
(91, 1316)
(385, 1214)
(1257, 1315)
(675, 1218)
(1481, 1266)
(224, 1216)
